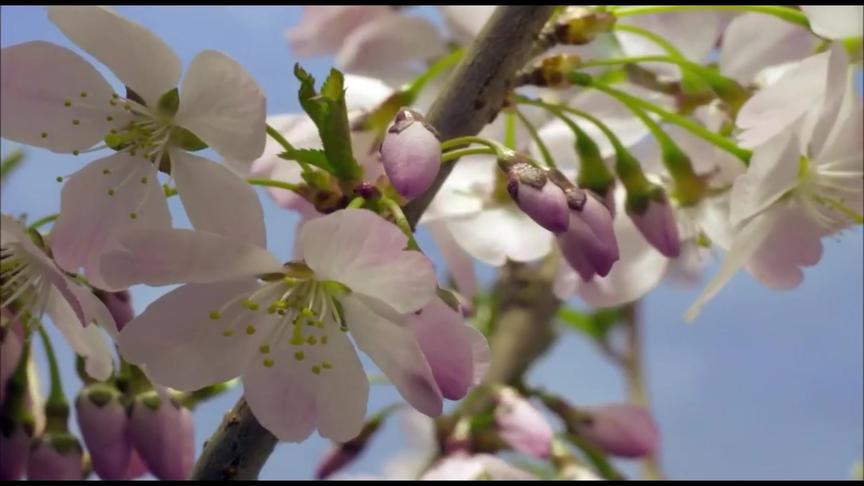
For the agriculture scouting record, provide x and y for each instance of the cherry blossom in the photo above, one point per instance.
(218, 104)
(33, 285)
(284, 328)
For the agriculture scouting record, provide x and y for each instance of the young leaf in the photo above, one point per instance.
(315, 157)
(330, 115)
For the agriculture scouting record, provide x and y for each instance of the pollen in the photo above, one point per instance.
(264, 349)
(249, 304)
(227, 333)
(110, 192)
(133, 216)
(59, 179)
(312, 340)
(75, 152)
(268, 362)
(109, 118)
(76, 122)
(67, 103)
(83, 94)
(250, 330)
(111, 102)
(299, 355)
(144, 180)
(316, 369)
(326, 365)
(106, 171)
(44, 134)
(215, 315)
(323, 340)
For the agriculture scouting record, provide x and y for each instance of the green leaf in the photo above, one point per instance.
(10, 163)
(330, 115)
(315, 157)
(596, 325)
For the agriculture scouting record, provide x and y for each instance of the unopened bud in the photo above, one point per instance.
(119, 304)
(56, 457)
(550, 72)
(411, 154)
(14, 450)
(621, 429)
(163, 435)
(589, 245)
(654, 218)
(541, 200)
(103, 422)
(521, 425)
(580, 25)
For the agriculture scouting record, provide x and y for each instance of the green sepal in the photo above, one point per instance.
(168, 103)
(180, 137)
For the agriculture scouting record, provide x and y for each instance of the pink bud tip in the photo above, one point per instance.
(622, 430)
(411, 154)
(657, 225)
(521, 425)
(590, 245)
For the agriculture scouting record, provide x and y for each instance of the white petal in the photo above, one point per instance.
(86, 341)
(263, 165)
(792, 242)
(363, 92)
(836, 21)
(394, 349)
(494, 235)
(778, 107)
(141, 60)
(384, 46)
(90, 217)
(38, 79)
(466, 189)
(773, 170)
(836, 81)
(754, 41)
(224, 106)
(181, 346)
(343, 390)
(322, 29)
(162, 257)
(217, 200)
(365, 252)
(694, 33)
(460, 266)
(746, 243)
(467, 20)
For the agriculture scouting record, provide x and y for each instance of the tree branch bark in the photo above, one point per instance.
(471, 99)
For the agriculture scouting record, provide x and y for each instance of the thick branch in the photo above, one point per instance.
(470, 100)
(475, 92)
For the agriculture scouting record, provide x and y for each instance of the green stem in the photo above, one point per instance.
(401, 221)
(459, 142)
(56, 395)
(275, 135)
(455, 154)
(785, 13)
(44, 220)
(356, 202)
(532, 130)
(510, 130)
(435, 70)
(274, 183)
(683, 122)
(659, 40)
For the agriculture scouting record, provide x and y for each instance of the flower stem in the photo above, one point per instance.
(400, 220)
(274, 183)
(356, 202)
(275, 135)
(785, 13)
(56, 407)
(683, 122)
(532, 130)
(435, 70)
(456, 154)
(497, 148)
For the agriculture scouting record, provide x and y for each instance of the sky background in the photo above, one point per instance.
(765, 384)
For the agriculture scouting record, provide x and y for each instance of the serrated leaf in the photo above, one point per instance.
(330, 115)
(315, 157)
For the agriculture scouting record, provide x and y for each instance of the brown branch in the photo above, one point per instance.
(471, 99)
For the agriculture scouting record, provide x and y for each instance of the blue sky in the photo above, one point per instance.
(765, 384)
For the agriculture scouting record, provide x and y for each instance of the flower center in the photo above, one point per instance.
(23, 289)
(830, 193)
(297, 313)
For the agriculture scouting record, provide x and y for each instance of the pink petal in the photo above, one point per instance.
(375, 264)
(323, 29)
(47, 463)
(217, 200)
(164, 438)
(38, 79)
(521, 425)
(622, 430)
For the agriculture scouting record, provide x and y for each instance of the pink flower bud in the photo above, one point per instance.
(521, 425)
(537, 197)
(656, 222)
(55, 457)
(14, 451)
(163, 435)
(103, 422)
(411, 153)
(621, 429)
(119, 304)
(589, 245)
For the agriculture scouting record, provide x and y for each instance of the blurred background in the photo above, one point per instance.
(765, 384)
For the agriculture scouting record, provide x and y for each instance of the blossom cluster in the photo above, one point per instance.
(619, 148)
